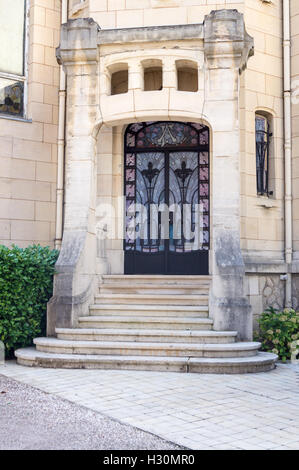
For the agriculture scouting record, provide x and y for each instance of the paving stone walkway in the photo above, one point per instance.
(31, 419)
(251, 411)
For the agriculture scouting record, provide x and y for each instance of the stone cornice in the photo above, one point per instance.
(223, 35)
(151, 34)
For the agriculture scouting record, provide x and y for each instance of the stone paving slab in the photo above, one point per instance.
(198, 411)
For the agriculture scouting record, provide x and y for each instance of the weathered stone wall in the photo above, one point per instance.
(75, 283)
(28, 149)
(273, 291)
(264, 291)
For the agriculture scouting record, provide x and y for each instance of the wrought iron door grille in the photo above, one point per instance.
(165, 163)
(167, 198)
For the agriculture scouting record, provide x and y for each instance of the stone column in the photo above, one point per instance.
(227, 47)
(75, 281)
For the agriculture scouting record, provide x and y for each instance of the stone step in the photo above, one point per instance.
(150, 310)
(262, 362)
(144, 336)
(156, 279)
(159, 323)
(124, 348)
(139, 288)
(152, 299)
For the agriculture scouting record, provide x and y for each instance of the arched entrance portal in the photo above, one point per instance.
(167, 198)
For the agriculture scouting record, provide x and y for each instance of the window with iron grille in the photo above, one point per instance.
(12, 57)
(262, 141)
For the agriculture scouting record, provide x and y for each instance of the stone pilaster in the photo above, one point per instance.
(227, 47)
(75, 281)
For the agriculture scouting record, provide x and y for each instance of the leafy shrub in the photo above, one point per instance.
(278, 330)
(26, 284)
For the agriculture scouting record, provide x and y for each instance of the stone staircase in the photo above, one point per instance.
(156, 323)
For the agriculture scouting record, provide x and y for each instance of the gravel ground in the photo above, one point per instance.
(32, 419)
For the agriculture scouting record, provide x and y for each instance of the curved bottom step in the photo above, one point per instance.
(262, 362)
(132, 348)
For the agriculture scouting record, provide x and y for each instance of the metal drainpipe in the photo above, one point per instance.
(288, 148)
(61, 143)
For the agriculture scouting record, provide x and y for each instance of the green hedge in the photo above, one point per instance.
(278, 330)
(26, 284)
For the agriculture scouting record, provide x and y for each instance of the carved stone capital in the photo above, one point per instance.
(226, 41)
(78, 43)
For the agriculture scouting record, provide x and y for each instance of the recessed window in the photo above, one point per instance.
(187, 75)
(153, 75)
(120, 80)
(263, 137)
(12, 57)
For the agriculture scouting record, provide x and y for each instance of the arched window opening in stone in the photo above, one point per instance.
(265, 169)
(187, 75)
(119, 79)
(153, 75)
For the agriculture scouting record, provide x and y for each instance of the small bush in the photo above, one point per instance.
(278, 330)
(26, 284)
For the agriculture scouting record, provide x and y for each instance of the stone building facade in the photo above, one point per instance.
(222, 65)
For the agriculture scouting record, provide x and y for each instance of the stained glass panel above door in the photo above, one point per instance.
(166, 134)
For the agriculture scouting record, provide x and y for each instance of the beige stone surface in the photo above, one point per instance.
(28, 149)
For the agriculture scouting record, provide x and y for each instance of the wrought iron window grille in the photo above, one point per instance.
(263, 140)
